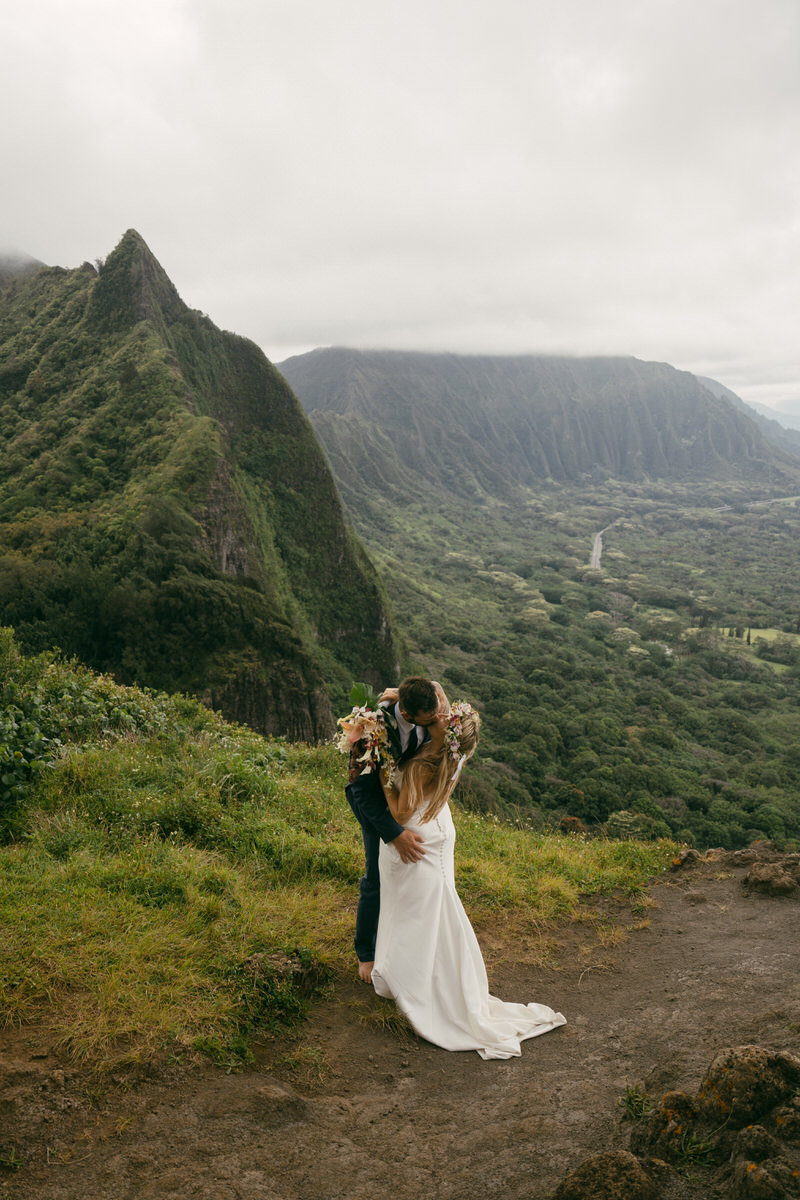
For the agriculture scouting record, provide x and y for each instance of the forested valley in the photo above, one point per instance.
(655, 695)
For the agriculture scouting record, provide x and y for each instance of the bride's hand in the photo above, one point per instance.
(390, 695)
(438, 728)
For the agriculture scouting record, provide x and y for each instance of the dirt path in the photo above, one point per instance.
(370, 1111)
(597, 549)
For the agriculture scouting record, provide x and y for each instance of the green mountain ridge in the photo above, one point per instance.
(481, 425)
(166, 512)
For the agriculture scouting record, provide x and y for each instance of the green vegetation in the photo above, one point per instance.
(171, 883)
(694, 1151)
(483, 427)
(624, 696)
(166, 513)
(635, 1104)
(167, 516)
(656, 695)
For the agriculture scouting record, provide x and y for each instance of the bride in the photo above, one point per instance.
(427, 957)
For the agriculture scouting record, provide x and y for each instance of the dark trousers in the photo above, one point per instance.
(369, 898)
(365, 797)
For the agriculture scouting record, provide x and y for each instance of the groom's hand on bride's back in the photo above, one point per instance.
(409, 846)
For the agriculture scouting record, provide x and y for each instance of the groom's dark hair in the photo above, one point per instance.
(417, 695)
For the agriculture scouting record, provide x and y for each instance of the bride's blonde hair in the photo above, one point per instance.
(433, 776)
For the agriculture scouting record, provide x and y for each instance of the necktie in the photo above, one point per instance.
(410, 749)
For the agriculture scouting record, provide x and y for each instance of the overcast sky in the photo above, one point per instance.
(501, 176)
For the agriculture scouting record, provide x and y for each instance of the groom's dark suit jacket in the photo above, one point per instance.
(364, 792)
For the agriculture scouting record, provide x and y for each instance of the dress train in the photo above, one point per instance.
(428, 960)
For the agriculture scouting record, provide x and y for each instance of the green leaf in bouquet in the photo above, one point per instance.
(362, 696)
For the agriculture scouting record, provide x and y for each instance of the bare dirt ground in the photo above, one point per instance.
(359, 1107)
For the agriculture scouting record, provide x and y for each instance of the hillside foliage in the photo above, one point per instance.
(657, 693)
(166, 513)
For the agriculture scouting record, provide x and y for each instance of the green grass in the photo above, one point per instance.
(173, 884)
(634, 1104)
(776, 647)
(769, 634)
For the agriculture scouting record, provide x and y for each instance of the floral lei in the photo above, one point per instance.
(364, 724)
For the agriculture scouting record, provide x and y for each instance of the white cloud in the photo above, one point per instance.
(486, 175)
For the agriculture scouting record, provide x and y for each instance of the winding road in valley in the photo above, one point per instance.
(597, 549)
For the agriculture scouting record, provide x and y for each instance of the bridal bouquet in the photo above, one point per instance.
(365, 724)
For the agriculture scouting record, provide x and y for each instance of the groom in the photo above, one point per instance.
(406, 722)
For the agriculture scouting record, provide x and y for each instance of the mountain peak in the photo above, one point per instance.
(210, 552)
(133, 287)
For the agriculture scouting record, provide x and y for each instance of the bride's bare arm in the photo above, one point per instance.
(408, 844)
(444, 703)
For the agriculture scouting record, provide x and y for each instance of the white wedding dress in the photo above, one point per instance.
(428, 960)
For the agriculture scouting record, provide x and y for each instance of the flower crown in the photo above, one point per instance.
(452, 735)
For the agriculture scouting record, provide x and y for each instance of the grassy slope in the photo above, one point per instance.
(172, 883)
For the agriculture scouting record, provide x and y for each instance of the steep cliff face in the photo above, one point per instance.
(481, 425)
(166, 511)
(772, 430)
